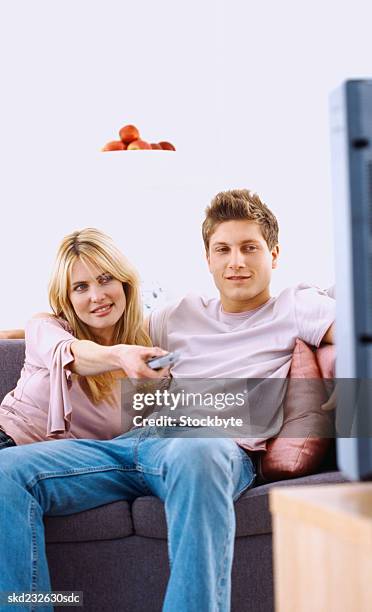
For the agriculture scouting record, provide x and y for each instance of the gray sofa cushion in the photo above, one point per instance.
(252, 508)
(114, 520)
(107, 522)
(12, 360)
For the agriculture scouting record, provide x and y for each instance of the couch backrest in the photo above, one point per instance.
(12, 356)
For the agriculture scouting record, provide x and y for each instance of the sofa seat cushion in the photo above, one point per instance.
(251, 509)
(109, 522)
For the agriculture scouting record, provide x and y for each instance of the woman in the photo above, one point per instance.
(69, 385)
(70, 358)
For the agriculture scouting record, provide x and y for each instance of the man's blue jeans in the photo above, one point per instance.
(197, 478)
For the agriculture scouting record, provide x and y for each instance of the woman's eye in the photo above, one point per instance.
(106, 278)
(80, 287)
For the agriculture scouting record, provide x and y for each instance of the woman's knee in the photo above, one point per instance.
(12, 473)
(21, 464)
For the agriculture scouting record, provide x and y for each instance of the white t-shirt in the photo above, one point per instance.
(243, 350)
(254, 344)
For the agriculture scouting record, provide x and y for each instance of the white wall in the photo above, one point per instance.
(240, 87)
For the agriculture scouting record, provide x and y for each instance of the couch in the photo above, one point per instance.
(117, 553)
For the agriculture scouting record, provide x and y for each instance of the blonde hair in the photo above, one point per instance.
(240, 204)
(94, 248)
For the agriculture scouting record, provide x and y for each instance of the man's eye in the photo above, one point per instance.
(222, 250)
(251, 248)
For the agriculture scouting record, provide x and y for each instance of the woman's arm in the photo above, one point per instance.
(91, 359)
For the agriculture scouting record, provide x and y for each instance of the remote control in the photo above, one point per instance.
(157, 363)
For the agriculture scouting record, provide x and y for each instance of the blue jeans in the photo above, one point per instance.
(197, 478)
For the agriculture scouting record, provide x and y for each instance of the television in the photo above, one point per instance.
(351, 156)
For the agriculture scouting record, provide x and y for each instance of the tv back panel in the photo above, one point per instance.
(351, 145)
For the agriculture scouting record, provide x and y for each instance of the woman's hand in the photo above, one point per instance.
(91, 358)
(133, 360)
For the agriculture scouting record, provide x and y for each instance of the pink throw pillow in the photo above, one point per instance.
(304, 439)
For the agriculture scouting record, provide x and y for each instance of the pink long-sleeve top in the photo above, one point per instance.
(49, 401)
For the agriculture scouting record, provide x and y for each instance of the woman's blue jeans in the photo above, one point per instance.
(197, 478)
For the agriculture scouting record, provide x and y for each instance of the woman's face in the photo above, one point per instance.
(97, 298)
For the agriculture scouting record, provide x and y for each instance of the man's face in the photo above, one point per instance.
(241, 264)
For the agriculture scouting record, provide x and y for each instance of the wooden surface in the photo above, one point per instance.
(322, 538)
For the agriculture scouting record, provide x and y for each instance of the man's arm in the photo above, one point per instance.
(329, 336)
(12, 334)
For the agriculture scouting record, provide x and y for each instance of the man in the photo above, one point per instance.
(245, 333)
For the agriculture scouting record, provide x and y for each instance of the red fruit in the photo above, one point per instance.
(114, 145)
(129, 133)
(155, 145)
(138, 144)
(167, 146)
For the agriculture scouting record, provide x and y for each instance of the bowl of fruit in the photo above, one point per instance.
(131, 140)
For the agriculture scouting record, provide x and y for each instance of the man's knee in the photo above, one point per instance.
(193, 455)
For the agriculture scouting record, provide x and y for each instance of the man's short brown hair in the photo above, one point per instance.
(240, 204)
